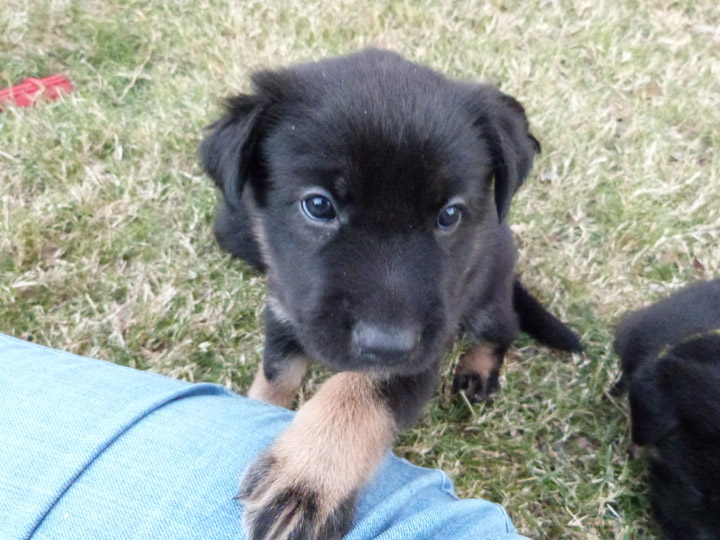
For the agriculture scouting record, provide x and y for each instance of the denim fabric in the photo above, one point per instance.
(91, 450)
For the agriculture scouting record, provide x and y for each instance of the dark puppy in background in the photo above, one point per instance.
(670, 355)
(374, 193)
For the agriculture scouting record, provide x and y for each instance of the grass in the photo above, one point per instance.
(105, 215)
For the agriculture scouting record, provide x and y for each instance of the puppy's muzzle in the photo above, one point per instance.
(386, 345)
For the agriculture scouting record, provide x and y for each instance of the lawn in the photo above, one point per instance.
(105, 215)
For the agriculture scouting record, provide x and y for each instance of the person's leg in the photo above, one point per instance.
(89, 449)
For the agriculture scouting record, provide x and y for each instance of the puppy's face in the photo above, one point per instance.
(369, 181)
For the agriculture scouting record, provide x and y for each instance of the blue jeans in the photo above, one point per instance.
(90, 450)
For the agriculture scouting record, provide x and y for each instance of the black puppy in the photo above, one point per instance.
(670, 355)
(373, 191)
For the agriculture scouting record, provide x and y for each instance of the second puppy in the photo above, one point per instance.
(670, 355)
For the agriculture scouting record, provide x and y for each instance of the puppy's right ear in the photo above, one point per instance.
(229, 152)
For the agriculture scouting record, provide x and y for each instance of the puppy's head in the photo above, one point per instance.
(375, 186)
(641, 335)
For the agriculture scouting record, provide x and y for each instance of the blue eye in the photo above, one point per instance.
(449, 217)
(318, 208)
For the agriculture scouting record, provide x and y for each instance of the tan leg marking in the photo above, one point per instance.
(317, 466)
(283, 389)
(476, 375)
(338, 438)
(480, 359)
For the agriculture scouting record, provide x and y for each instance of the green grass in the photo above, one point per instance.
(105, 215)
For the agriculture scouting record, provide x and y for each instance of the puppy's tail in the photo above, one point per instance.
(542, 325)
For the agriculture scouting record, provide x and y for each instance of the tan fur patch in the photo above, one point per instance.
(648, 452)
(277, 309)
(480, 359)
(337, 439)
(283, 389)
(260, 237)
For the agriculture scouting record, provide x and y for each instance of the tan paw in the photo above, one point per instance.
(281, 506)
(478, 374)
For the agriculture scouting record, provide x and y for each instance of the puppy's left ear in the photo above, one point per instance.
(229, 152)
(504, 126)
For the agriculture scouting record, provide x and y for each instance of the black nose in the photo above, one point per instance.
(377, 343)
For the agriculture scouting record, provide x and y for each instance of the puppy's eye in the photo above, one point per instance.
(318, 208)
(449, 217)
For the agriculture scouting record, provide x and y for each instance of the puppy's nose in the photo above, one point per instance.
(383, 343)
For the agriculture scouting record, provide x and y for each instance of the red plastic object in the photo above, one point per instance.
(31, 90)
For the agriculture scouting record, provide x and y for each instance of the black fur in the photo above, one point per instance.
(541, 325)
(405, 395)
(645, 333)
(670, 356)
(280, 344)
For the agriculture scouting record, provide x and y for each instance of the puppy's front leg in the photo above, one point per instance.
(279, 384)
(280, 376)
(478, 373)
(304, 486)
